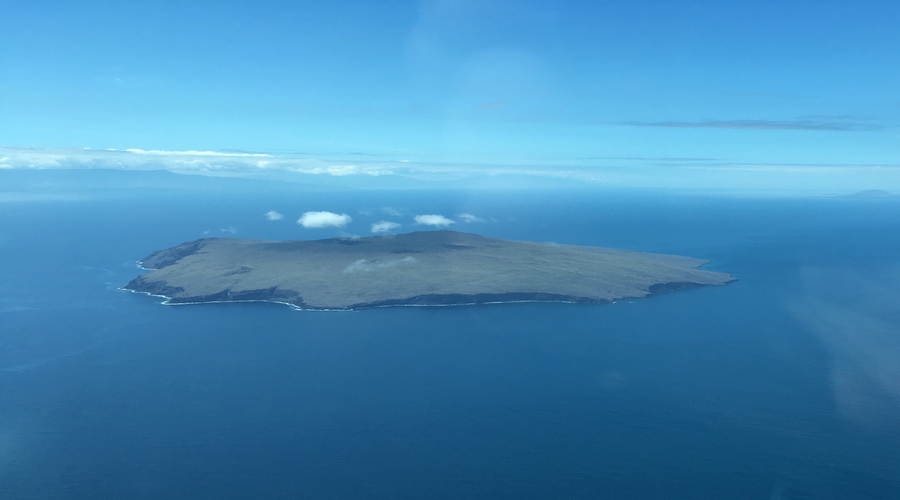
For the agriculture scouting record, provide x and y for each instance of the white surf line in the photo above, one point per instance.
(295, 307)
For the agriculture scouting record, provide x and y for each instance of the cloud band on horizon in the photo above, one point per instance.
(820, 125)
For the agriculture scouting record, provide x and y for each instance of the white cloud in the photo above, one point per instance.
(366, 266)
(194, 153)
(323, 219)
(433, 220)
(335, 170)
(390, 211)
(229, 229)
(469, 218)
(202, 162)
(384, 226)
(669, 173)
(273, 215)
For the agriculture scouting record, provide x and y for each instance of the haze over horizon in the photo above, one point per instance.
(707, 95)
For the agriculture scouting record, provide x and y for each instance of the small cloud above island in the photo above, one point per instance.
(314, 220)
(433, 220)
(390, 211)
(273, 215)
(469, 218)
(384, 226)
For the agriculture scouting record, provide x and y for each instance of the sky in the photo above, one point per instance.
(653, 87)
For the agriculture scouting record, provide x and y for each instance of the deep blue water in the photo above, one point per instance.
(782, 385)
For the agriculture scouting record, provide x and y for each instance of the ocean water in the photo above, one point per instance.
(783, 385)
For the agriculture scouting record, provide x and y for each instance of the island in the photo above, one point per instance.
(420, 268)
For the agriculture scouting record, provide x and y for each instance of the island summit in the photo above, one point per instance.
(421, 268)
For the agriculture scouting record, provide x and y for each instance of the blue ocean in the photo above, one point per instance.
(783, 385)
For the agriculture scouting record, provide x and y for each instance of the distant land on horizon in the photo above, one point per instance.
(420, 268)
(872, 193)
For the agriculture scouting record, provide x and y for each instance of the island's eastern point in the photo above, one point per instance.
(420, 268)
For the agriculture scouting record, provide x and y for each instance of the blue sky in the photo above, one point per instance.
(551, 84)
